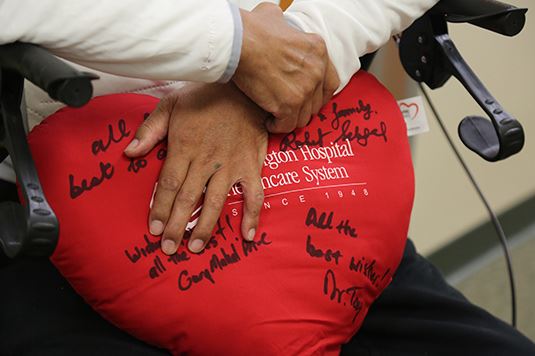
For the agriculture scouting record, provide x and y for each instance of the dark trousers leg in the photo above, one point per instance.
(41, 315)
(420, 314)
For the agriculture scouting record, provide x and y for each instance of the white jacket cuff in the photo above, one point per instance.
(237, 41)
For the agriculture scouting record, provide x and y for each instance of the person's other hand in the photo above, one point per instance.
(216, 138)
(285, 71)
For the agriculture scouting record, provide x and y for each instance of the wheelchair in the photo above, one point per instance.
(427, 53)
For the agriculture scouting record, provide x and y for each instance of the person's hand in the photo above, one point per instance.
(285, 71)
(216, 138)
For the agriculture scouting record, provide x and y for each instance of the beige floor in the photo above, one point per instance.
(485, 282)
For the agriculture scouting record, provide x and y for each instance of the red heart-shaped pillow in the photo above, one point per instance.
(338, 196)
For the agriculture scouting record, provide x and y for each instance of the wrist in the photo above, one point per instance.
(248, 39)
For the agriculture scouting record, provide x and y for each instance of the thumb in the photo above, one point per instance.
(150, 133)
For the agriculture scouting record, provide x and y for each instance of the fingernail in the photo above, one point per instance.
(250, 236)
(168, 247)
(196, 245)
(132, 144)
(156, 227)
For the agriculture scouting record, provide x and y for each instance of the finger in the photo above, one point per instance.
(172, 176)
(285, 124)
(214, 200)
(253, 196)
(150, 133)
(330, 84)
(305, 114)
(186, 201)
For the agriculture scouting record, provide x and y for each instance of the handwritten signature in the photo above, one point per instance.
(343, 128)
(342, 296)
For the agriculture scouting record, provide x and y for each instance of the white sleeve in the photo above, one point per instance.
(150, 39)
(352, 28)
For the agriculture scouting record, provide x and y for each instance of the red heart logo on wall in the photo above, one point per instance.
(412, 108)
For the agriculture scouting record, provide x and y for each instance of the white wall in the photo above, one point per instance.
(446, 206)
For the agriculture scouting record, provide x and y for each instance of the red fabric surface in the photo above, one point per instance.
(338, 199)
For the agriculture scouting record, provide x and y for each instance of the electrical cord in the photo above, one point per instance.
(492, 215)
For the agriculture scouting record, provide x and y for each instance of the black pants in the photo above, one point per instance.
(418, 314)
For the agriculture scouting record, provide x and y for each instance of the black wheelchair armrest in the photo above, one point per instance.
(492, 15)
(58, 79)
(429, 55)
(31, 228)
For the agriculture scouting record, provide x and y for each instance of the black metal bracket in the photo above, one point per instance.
(31, 228)
(429, 55)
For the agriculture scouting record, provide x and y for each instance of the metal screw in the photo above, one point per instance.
(418, 73)
(421, 39)
(423, 59)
